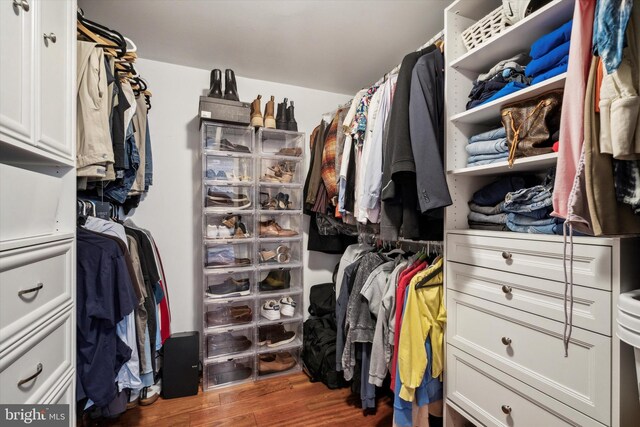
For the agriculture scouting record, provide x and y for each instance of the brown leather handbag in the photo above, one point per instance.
(530, 124)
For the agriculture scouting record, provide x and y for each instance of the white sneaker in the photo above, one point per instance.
(287, 306)
(515, 10)
(212, 231)
(224, 232)
(270, 310)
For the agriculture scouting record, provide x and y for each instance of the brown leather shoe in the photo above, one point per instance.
(256, 115)
(269, 117)
(272, 229)
(271, 363)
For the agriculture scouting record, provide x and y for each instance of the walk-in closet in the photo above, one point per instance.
(403, 213)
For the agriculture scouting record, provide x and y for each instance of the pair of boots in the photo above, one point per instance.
(230, 87)
(285, 118)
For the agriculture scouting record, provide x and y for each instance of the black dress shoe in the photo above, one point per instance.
(215, 84)
(230, 87)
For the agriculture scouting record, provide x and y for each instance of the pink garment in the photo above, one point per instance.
(572, 119)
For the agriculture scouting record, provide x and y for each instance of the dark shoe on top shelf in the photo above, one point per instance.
(269, 119)
(281, 117)
(291, 120)
(215, 84)
(256, 115)
(230, 86)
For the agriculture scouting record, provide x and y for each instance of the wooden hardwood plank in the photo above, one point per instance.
(244, 420)
(257, 391)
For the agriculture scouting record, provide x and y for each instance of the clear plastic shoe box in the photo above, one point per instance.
(236, 225)
(227, 139)
(279, 253)
(229, 254)
(230, 283)
(230, 341)
(280, 171)
(275, 362)
(228, 169)
(279, 197)
(274, 279)
(281, 143)
(228, 313)
(279, 225)
(225, 371)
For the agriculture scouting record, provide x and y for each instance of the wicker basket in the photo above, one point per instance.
(484, 29)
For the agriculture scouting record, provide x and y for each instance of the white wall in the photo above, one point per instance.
(172, 209)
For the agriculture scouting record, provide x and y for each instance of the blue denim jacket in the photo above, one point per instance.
(609, 26)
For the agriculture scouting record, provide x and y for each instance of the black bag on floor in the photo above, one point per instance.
(319, 351)
(322, 300)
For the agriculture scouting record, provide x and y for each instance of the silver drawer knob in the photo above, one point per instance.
(506, 289)
(506, 340)
(24, 4)
(506, 255)
(50, 37)
(506, 409)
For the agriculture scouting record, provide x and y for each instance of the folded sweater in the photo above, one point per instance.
(550, 41)
(547, 61)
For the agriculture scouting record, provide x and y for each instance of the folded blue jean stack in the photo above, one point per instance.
(509, 204)
(487, 147)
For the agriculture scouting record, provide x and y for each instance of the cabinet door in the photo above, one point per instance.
(16, 71)
(55, 70)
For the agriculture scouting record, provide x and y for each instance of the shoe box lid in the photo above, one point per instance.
(225, 111)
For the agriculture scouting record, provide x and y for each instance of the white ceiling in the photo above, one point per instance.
(337, 46)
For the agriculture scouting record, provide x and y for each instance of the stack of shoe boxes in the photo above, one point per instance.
(252, 245)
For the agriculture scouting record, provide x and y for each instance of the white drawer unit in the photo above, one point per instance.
(33, 367)
(496, 399)
(35, 283)
(544, 259)
(530, 349)
(591, 309)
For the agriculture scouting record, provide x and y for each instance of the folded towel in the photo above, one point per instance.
(548, 61)
(491, 219)
(508, 89)
(498, 145)
(550, 41)
(492, 156)
(559, 69)
(487, 210)
(489, 135)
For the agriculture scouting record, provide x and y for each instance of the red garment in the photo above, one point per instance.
(555, 146)
(403, 282)
(165, 310)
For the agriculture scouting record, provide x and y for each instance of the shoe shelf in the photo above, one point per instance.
(252, 251)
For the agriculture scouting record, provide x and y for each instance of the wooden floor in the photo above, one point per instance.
(281, 401)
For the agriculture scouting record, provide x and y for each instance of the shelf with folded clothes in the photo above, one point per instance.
(514, 39)
(226, 371)
(523, 164)
(279, 278)
(227, 139)
(281, 143)
(277, 362)
(231, 340)
(490, 112)
(223, 285)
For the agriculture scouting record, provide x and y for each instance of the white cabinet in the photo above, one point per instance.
(54, 40)
(16, 69)
(37, 89)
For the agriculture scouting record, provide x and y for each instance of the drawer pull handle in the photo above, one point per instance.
(24, 4)
(50, 37)
(32, 377)
(506, 255)
(506, 341)
(506, 289)
(31, 290)
(506, 409)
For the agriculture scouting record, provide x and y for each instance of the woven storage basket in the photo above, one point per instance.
(484, 29)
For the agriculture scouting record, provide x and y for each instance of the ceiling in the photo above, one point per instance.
(337, 46)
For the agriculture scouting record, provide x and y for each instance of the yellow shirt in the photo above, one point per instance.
(424, 315)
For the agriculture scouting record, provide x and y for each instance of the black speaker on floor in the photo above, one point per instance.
(180, 365)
